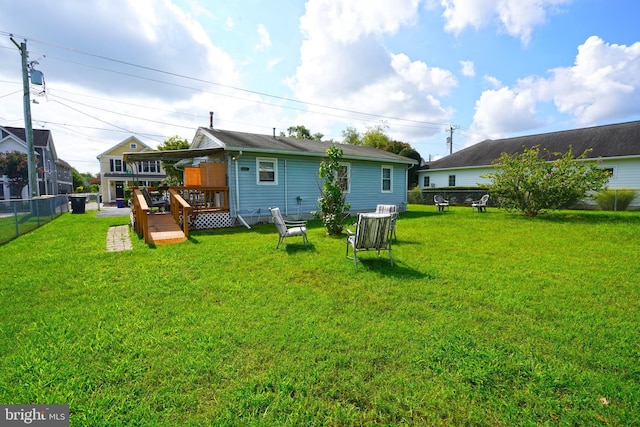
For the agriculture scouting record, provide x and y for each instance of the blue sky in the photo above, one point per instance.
(155, 68)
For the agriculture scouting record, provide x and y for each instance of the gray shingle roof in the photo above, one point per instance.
(268, 143)
(615, 140)
(40, 136)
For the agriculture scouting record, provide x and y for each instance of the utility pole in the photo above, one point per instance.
(450, 138)
(31, 160)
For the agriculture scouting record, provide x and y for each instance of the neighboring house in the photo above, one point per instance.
(53, 172)
(615, 146)
(262, 171)
(116, 175)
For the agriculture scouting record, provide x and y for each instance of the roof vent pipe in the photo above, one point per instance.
(274, 132)
(210, 119)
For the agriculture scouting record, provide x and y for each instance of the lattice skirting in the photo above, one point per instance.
(209, 220)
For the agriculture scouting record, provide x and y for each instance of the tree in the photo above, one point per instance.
(535, 180)
(376, 137)
(413, 174)
(174, 176)
(351, 136)
(301, 132)
(332, 202)
(15, 165)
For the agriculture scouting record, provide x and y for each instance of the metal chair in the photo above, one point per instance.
(373, 232)
(288, 228)
(393, 210)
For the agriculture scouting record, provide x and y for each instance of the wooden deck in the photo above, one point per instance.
(164, 230)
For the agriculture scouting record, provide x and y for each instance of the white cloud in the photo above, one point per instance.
(603, 84)
(344, 63)
(517, 17)
(493, 82)
(265, 39)
(468, 68)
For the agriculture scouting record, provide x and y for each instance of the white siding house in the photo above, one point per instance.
(616, 147)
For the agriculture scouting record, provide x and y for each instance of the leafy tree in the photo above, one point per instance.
(174, 176)
(351, 136)
(535, 180)
(376, 137)
(301, 132)
(15, 165)
(413, 174)
(332, 202)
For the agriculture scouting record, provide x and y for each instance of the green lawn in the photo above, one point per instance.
(486, 319)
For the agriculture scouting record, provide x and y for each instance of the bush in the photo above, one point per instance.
(414, 196)
(537, 180)
(615, 200)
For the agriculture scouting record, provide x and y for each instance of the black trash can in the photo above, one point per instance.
(78, 204)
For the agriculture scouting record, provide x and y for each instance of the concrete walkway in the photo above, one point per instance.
(118, 239)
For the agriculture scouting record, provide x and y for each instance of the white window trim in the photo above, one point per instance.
(275, 170)
(382, 168)
(348, 166)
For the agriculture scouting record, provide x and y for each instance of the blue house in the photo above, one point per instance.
(261, 171)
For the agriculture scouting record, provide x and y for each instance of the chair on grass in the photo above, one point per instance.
(481, 205)
(159, 204)
(373, 232)
(393, 210)
(288, 228)
(440, 202)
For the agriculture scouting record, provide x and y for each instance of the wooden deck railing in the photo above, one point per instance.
(205, 198)
(179, 205)
(140, 212)
(183, 201)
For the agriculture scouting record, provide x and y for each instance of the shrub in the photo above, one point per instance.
(537, 180)
(332, 202)
(615, 200)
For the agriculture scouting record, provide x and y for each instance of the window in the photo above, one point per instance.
(426, 181)
(452, 180)
(133, 145)
(151, 166)
(267, 171)
(387, 179)
(344, 177)
(116, 165)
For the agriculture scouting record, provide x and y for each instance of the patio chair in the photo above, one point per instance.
(288, 228)
(393, 210)
(373, 232)
(480, 205)
(440, 202)
(158, 204)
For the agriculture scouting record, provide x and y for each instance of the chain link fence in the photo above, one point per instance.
(19, 216)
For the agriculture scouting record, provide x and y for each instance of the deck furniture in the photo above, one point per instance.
(373, 232)
(389, 209)
(440, 202)
(288, 228)
(481, 205)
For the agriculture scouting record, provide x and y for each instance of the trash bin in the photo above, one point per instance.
(78, 204)
(120, 203)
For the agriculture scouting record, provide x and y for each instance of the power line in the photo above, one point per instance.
(264, 94)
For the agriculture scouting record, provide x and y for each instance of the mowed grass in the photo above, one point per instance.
(485, 319)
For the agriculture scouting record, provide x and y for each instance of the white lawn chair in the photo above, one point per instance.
(440, 202)
(481, 205)
(373, 232)
(288, 228)
(393, 211)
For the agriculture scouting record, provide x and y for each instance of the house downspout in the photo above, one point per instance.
(235, 161)
(286, 190)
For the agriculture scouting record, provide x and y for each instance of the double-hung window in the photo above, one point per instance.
(344, 177)
(267, 171)
(387, 179)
